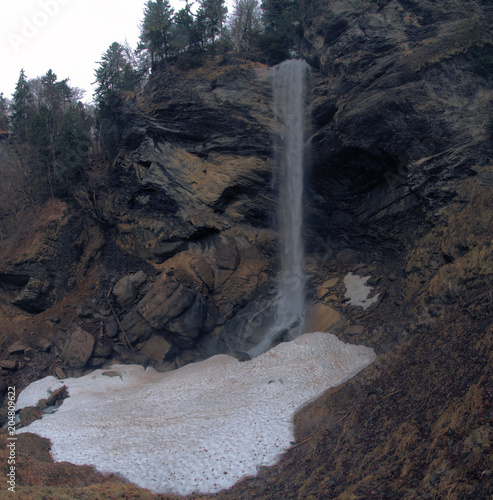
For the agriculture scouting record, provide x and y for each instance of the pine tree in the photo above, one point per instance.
(115, 74)
(211, 17)
(73, 143)
(185, 35)
(156, 31)
(21, 107)
(283, 29)
(4, 114)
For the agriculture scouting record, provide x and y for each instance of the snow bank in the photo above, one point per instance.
(197, 429)
(357, 291)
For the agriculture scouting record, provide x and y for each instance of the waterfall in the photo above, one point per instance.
(289, 85)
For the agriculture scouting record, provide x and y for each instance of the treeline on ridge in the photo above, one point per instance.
(58, 131)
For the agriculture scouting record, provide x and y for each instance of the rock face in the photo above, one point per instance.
(194, 204)
(400, 110)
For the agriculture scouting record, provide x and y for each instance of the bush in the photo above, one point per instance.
(189, 60)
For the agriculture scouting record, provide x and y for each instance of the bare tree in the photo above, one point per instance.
(245, 24)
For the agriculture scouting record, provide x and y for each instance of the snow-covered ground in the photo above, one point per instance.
(197, 429)
(357, 291)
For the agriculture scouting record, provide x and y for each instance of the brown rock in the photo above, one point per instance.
(322, 318)
(29, 414)
(125, 290)
(355, 330)
(166, 300)
(8, 364)
(79, 348)
(17, 348)
(156, 348)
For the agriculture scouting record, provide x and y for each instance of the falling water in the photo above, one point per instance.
(289, 82)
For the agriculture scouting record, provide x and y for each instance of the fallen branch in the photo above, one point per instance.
(299, 444)
(120, 325)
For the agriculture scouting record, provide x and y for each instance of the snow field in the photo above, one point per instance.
(197, 429)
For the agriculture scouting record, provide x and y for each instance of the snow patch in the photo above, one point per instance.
(358, 292)
(197, 429)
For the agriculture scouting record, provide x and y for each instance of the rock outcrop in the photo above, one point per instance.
(401, 111)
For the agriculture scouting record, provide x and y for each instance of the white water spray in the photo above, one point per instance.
(289, 82)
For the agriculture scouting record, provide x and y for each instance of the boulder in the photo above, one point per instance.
(136, 327)
(156, 348)
(126, 289)
(8, 364)
(29, 414)
(188, 326)
(322, 318)
(29, 295)
(166, 300)
(79, 348)
(131, 357)
(17, 348)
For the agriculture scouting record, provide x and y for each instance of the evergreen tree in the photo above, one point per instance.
(156, 31)
(211, 17)
(73, 143)
(283, 29)
(4, 113)
(115, 74)
(185, 35)
(21, 107)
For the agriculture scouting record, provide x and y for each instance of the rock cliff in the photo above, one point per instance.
(168, 243)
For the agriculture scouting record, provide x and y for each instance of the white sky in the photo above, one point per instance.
(67, 36)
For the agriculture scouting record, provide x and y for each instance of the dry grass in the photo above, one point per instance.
(455, 260)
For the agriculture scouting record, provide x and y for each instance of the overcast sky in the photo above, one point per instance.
(67, 36)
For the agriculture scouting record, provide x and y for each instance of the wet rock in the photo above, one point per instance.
(241, 356)
(79, 348)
